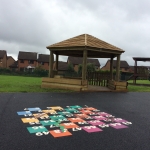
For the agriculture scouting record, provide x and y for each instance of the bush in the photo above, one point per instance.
(39, 71)
(90, 68)
(5, 71)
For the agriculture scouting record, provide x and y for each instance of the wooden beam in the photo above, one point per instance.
(84, 65)
(135, 72)
(87, 48)
(118, 68)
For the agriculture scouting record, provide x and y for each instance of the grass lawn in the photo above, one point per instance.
(23, 84)
(140, 81)
(33, 84)
(133, 88)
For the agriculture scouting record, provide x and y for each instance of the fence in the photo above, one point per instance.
(98, 78)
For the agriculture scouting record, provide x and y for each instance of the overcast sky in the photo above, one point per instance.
(31, 25)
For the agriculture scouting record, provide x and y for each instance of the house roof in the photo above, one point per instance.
(62, 66)
(8, 57)
(123, 64)
(79, 60)
(85, 40)
(43, 58)
(2, 53)
(27, 55)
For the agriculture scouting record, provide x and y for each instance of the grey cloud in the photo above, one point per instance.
(32, 25)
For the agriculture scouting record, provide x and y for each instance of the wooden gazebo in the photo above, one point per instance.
(85, 46)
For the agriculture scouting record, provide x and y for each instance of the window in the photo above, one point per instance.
(31, 61)
(21, 61)
(42, 63)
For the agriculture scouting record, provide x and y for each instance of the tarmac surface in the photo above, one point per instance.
(132, 107)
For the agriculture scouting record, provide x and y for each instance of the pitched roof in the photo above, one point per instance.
(2, 53)
(43, 58)
(27, 55)
(123, 64)
(8, 57)
(62, 65)
(85, 40)
(79, 60)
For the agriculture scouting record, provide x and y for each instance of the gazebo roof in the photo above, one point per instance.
(96, 47)
(141, 58)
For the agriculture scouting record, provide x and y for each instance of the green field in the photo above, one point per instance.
(140, 81)
(132, 88)
(138, 88)
(33, 84)
(23, 84)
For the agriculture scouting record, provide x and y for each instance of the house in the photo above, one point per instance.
(10, 61)
(132, 68)
(14, 66)
(76, 61)
(124, 66)
(3, 59)
(62, 67)
(43, 61)
(27, 61)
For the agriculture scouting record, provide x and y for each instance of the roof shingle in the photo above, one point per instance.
(79, 60)
(43, 58)
(27, 55)
(2, 53)
(85, 40)
(62, 66)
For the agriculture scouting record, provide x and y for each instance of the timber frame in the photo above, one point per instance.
(140, 71)
(85, 46)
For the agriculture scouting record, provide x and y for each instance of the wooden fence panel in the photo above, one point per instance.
(98, 78)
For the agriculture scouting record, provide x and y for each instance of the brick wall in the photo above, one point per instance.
(10, 61)
(106, 67)
(26, 63)
(3, 61)
(44, 65)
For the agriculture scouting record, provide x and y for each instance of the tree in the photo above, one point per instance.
(70, 68)
(39, 71)
(90, 68)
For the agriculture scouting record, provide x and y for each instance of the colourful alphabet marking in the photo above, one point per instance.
(24, 113)
(91, 129)
(59, 122)
(36, 129)
(58, 133)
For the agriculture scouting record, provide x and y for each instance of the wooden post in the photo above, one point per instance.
(84, 65)
(135, 72)
(118, 68)
(56, 61)
(111, 68)
(51, 61)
